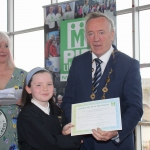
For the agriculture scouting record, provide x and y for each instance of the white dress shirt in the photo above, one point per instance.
(104, 58)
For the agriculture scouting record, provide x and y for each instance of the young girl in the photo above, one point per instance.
(41, 123)
(69, 13)
(59, 16)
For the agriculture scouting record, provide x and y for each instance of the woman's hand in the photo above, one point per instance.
(67, 129)
(18, 102)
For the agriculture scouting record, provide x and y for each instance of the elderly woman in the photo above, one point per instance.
(10, 76)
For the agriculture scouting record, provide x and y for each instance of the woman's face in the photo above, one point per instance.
(67, 7)
(4, 52)
(59, 9)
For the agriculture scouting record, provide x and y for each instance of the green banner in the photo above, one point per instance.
(72, 44)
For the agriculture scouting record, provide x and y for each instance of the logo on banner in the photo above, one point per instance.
(74, 44)
(76, 35)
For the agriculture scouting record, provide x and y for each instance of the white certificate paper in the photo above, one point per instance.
(104, 114)
(10, 96)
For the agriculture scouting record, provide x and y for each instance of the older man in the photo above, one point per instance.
(119, 76)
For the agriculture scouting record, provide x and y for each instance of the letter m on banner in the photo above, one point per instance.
(76, 35)
(72, 44)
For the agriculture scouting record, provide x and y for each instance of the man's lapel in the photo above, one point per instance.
(88, 74)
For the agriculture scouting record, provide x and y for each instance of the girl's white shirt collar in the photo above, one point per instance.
(44, 109)
(103, 58)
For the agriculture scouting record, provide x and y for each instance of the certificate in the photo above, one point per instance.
(103, 114)
(10, 96)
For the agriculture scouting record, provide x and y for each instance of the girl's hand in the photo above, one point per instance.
(67, 129)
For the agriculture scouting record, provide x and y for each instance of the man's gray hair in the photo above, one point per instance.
(97, 15)
(59, 96)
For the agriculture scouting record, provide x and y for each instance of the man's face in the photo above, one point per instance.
(99, 35)
(59, 100)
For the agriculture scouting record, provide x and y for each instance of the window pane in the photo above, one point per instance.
(3, 15)
(144, 2)
(124, 33)
(145, 137)
(28, 14)
(61, 1)
(53, 1)
(144, 36)
(123, 4)
(145, 72)
(29, 50)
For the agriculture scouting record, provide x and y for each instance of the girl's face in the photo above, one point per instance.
(41, 87)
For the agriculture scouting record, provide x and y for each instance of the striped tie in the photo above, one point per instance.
(97, 75)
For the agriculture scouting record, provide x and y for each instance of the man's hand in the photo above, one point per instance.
(67, 129)
(103, 135)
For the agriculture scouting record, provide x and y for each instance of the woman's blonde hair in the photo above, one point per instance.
(5, 38)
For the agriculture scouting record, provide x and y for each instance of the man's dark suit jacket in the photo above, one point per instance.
(125, 83)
